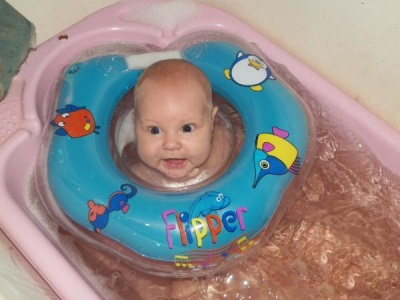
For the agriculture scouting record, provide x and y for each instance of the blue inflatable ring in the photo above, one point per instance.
(186, 231)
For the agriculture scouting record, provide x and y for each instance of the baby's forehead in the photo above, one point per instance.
(173, 73)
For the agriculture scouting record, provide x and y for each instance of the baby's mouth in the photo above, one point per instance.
(174, 163)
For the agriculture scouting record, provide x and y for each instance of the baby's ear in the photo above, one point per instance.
(133, 114)
(214, 113)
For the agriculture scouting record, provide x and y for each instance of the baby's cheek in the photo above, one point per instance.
(147, 152)
(203, 152)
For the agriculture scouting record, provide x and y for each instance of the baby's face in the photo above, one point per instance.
(173, 127)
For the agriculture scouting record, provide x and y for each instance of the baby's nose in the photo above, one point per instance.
(171, 142)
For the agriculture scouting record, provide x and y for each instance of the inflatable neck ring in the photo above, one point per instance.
(176, 234)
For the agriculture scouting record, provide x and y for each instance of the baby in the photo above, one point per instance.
(179, 140)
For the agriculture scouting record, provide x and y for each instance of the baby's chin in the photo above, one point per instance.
(178, 169)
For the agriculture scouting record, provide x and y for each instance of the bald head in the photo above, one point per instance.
(172, 72)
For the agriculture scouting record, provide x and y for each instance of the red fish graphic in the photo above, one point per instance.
(74, 121)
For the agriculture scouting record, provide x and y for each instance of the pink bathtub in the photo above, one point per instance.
(23, 118)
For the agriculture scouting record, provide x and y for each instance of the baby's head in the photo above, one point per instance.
(174, 118)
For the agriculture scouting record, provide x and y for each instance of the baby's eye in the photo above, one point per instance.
(187, 128)
(155, 130)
